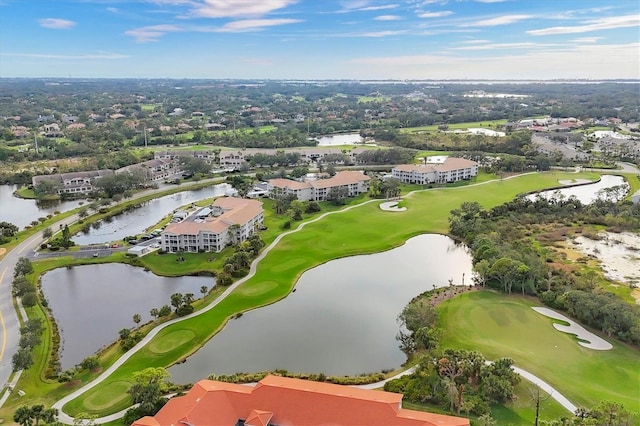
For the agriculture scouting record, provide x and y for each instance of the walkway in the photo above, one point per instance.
(64, 418)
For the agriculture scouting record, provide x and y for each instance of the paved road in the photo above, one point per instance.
(9, 324)
(11, 334)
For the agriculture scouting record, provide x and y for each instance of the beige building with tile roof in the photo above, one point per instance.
(355, 182)
(234, 220)
(451, 170)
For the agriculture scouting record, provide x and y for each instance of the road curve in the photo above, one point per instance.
(65, 418)
(9, 323)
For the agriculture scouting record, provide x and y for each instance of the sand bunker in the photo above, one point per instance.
(587, 338)
(392, 206)
(574, 181)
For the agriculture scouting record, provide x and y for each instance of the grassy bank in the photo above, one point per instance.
(363, 229)
(510, 328)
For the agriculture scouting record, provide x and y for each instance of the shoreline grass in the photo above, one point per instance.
(361, 230)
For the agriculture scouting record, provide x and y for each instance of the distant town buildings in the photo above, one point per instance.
(72, 183)
(283, 401)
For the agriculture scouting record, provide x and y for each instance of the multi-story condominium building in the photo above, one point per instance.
(234, 220)
(451, 170)
(355, 182)
(208, 156)
(72, 183)
(278, 400)
(153, 170)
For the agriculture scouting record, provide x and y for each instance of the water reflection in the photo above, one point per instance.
(22, 212)
(92, 303)
(340, 320)
(135, 221)
(345, 139)
(586, 194)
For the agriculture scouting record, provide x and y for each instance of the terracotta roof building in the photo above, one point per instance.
(234, 220)
(451, 170)
(317, 190)
(284, 401)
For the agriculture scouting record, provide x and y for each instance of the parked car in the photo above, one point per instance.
(96, 254)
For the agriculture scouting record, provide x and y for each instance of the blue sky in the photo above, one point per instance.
(321, 39)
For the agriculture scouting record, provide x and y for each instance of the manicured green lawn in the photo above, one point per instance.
(362, 229)
(502, 326)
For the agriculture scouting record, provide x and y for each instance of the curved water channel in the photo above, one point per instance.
(341, 320)
(586, 194)
(135, 221)
(323, 326)
(91, 303)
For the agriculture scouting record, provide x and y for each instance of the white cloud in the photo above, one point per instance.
(495, 46)
(592, 25)
(476, 41)
(387, 18)
(113, 10)
(435, 14)
(490, 1)
(573, 62)
(89, 56)
(238, 8)
(362, 6)
(151, 33)
(381, 33)
(254, 25)
(586, 39)
(56, 24)
(500, 20)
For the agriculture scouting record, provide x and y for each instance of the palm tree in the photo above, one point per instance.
(204, 290)
(137, 318)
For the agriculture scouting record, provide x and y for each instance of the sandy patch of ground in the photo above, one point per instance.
(573, 181)
(619, 255)
(587, 338)
(392, 206)
(2, 251)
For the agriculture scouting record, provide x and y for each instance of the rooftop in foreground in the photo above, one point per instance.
(283, 401)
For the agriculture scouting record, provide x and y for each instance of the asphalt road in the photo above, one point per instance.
(9, 324)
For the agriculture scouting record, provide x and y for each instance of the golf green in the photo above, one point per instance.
(506, 326)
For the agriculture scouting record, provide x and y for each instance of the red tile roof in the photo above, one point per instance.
(285, 401)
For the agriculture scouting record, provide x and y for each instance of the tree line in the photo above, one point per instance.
(510, 249)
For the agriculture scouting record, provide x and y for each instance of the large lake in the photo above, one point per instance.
(92, 303)
(341, 320)
(148, 214)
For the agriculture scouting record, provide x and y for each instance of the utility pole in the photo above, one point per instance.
(35, 138)
(145, 136)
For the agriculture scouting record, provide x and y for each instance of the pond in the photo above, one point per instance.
(345, 139)
(341, 319)
(136, 221)
(22, 212)
(92, 303)
(586, 194)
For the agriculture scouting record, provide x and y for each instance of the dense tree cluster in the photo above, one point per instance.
(7, 231)
(30, 337)
(508, 257)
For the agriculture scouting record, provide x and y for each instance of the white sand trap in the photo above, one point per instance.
(574, 181)
(392, 206)
(587, 338)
